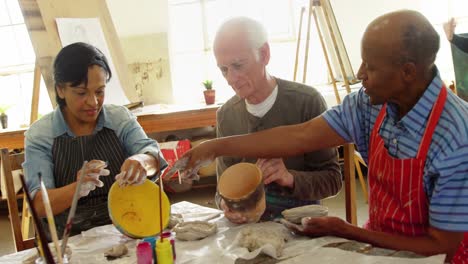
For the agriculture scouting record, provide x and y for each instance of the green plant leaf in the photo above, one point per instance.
(4, 108)
(208, 84)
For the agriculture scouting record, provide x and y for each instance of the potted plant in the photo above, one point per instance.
(209, 92)
(3, 115)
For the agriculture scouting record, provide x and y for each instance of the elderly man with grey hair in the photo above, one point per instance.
(261, 102)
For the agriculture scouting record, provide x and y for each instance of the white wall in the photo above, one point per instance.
(139, 17)
(142, 28)
(148, 62)
(354, 16)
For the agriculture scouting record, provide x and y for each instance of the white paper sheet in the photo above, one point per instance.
(89, 30)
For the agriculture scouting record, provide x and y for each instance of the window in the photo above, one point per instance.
(17, 67)
(192, 28)
(192, 25)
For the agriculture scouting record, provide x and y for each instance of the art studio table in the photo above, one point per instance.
(89, 246)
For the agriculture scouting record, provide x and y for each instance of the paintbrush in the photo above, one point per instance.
(180, 164)
(160, 201)
(71, 214)
(50, 218)
(38, 224)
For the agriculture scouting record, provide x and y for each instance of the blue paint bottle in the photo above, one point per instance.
(152, 241)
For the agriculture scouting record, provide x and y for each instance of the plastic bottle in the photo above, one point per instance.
(152, 241)
(144, 253)
(169, 235)
(164, 251)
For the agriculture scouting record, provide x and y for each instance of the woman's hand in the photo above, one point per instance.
(132, 171)
(135, 169)
(194, 159)
(93, 170)
(316, 226)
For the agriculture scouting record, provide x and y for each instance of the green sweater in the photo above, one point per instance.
(316, 174)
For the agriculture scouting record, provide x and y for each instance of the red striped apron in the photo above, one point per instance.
(397, 200)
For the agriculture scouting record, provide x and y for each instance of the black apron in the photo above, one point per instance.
(68, 155)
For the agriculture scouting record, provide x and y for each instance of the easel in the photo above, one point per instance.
(325, 21)
(40, 19)
(26, 215)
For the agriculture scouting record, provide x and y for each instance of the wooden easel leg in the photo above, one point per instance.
(26, 216)
(335, 46)
(361, 177)
(35, 94)
(350, 184)
(25, 220)
(298, 43)
(327, 59)
(306, 55)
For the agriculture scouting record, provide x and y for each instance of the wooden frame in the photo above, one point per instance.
(10, 163)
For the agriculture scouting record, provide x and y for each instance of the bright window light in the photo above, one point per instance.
(17, 68)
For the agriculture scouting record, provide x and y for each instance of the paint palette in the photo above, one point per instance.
(134, 209)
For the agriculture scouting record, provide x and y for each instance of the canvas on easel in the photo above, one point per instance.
(89, 30)
(40, 19)
(460, 66)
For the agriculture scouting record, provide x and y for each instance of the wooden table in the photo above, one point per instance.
(156, 119)
(153, 118)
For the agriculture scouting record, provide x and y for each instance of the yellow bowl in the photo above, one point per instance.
(134, 210)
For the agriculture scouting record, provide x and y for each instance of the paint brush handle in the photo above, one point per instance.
(38, 224)
(50, 219)
(71, 214)
(180, 164)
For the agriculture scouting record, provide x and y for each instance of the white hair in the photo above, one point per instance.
(256, 33)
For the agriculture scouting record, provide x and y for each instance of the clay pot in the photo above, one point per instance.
(241, 187)
(209, 96)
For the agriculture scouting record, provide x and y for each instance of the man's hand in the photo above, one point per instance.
(274, 170)
(449, 28)
(132, 171)
(233, 216)
(93, 170)
(316, 226)
(194, 159)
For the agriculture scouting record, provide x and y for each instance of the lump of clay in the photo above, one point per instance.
(116, 251)
(256, 236)
(194, 230)
(295, 215)
(174, 220)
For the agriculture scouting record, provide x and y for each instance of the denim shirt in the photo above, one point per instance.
(40, 136)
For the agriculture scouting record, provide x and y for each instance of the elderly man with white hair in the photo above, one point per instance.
(261, 102)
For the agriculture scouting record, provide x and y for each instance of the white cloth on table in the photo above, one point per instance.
(89, 246)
